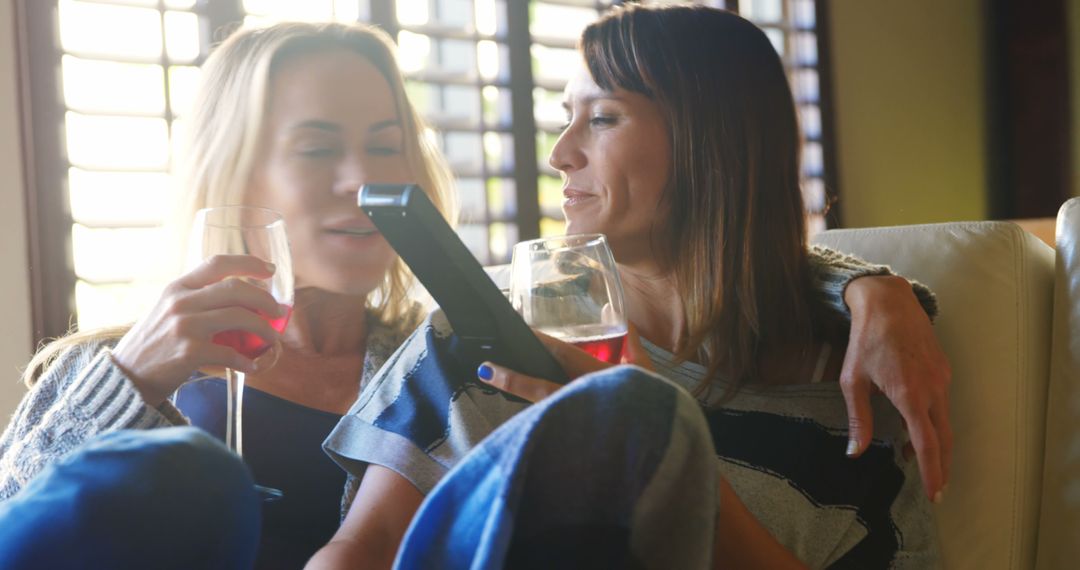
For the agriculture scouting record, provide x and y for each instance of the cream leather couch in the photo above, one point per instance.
(1013, 338)
(995, 288)
(1059, 521)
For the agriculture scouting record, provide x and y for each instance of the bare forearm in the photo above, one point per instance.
(375, 524)
(742, 542)
(342, 554)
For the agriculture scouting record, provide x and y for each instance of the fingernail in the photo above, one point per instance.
(485, 372)
(852, 447)
(938, 497)
(270, 267)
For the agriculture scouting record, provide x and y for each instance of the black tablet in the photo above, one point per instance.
(486, 325)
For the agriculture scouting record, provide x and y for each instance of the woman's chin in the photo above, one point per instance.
(578, 226)
(338, 288)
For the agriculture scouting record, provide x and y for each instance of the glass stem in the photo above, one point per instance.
(234, 411)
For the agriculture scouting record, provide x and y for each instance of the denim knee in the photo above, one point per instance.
(181, 460)
(626, 391)
(166, 498)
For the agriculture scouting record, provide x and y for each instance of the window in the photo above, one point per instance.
(554, 29)
(792, 27)
(456, 61)
(127, 72)
(487, 75)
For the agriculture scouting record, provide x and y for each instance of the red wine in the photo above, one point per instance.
(248, 344)
(605, 347)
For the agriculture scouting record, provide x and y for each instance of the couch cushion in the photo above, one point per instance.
(994, 284)
(1059, 528)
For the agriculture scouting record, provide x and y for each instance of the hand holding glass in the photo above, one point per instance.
(259, 232)
(568, 287)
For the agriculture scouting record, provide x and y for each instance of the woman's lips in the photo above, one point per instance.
(573, 197)
(353, 232)
(351, 226)
(352, 235)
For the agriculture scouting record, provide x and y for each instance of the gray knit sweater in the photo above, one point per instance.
(83, 394)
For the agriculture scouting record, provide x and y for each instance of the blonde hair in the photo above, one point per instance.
(217, 158)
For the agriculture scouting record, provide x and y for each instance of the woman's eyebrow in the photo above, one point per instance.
(383, 125)
(588, 99)
(318, 125)
(331, 127)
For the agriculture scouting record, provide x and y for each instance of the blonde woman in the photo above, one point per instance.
(294, 118)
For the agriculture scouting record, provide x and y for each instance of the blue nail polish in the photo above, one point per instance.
(485, 372)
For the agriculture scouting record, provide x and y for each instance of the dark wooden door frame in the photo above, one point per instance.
(826, 99)
(1028, 108)
(48, 215)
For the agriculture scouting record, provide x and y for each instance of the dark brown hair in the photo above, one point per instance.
(740, 246)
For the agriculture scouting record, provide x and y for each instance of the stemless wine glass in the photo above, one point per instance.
(568, 287)
(259, 232)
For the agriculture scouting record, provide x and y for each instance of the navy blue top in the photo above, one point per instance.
(283, 447)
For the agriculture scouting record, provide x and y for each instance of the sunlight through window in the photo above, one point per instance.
(487, 59)
(412, 12)
(182, 36)
(348, 11)
(114, 142)
(557, 21)
(283, 10)
(413, 51)
(486, 17)
(129, 69)
(120, 84)
(88, 28)
(112, 87)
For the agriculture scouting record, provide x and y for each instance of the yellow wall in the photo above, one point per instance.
(910, 119)
(14, 287)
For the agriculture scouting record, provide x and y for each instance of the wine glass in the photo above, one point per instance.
(568, 287)
(260, 232)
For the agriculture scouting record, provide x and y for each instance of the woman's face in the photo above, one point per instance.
(615, 159)
(331, 126)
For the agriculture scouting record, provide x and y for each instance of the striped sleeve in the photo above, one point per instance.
(80, 396)
(831, 271)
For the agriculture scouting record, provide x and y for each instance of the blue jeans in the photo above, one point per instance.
(163, 498)
(616, 470)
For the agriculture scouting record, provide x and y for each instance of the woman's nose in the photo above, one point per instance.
(352, 173)
(566, 155)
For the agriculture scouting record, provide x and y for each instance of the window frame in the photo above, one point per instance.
(48, 213)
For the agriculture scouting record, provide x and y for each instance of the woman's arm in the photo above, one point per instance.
(375, 524)
(833, 272)
(742, 542)
(82, 395)
(94, 387)
(891, 348)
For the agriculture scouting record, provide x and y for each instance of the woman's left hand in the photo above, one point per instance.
(575, 362)
(893, 348)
